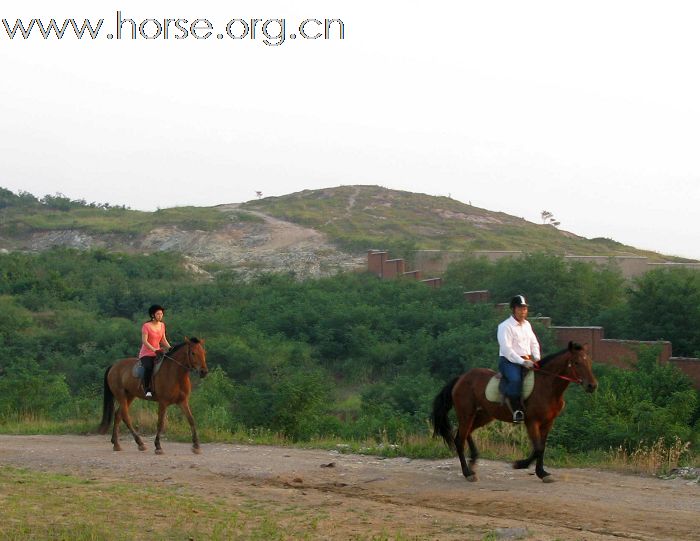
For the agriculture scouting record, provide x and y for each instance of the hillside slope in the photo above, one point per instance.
(310, 233)
(361, 217)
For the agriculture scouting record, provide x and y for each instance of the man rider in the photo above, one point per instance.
(518, 348)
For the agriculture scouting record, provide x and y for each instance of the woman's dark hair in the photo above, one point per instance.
(153, 309)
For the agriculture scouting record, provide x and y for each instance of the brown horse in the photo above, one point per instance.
(171, 386)
(467, 394)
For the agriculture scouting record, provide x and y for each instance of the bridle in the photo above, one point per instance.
(191, 367)
(574, 378)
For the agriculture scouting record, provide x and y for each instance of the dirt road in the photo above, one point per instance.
(364, 496)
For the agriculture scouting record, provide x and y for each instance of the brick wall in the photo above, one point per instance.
(582, 335)
(378, 263)
(433, 282)
(375, 261)
(475, 297)
(625, 353)
(688, 365)
(393, 268)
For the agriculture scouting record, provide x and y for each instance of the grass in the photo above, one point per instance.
(657, 458)
(40, 505)
(18, 221)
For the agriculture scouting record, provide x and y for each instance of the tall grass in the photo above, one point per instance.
(657, 458)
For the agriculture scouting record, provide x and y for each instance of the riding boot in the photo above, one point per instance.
(516, 406)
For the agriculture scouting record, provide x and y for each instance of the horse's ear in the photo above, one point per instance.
(187, 340)
(571, 345)
(585, 347)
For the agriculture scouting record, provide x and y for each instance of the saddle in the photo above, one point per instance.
(494, 391)
(137, 370)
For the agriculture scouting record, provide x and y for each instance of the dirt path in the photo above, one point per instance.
(366, 496)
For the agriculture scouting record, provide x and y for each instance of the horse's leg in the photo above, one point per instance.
(185, 407)
(162, 406)
(464, 433)
(124, 408)
(534, 430)
(473, 452)
(480, 420)
(115, 428)
(539, 467)
(525, 462)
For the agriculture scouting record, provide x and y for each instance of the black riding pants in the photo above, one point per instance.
(147, 363)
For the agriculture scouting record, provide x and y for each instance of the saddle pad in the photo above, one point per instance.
(137, 370)
(494, 395)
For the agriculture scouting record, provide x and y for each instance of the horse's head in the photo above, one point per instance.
(196, 356)
(581, 366)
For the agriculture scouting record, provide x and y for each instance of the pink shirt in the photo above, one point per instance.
(154, 338)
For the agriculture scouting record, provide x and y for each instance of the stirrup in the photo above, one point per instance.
(518, 416)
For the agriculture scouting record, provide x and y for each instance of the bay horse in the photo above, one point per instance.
(467, 394)
(171, 385)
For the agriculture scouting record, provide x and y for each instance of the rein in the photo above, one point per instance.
(173, 359)
(574, 379)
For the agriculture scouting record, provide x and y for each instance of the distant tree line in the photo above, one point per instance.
(349, 356)
(57, 201)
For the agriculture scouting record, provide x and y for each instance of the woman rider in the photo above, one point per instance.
(152, 341)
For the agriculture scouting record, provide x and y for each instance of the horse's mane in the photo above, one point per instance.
(574, 346)
(193, 340)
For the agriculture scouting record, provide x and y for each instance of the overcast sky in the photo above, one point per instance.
(590, 110)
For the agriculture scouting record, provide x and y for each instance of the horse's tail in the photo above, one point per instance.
(107, 406)
(441, 407)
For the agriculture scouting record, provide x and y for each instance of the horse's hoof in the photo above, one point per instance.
(117, 448)
(196, 450)
(548, 479)
(142, 447)
(159, 451)
(520, 465)
(471, 478)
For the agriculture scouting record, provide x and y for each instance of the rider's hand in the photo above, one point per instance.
(160, 351)
(528, 364)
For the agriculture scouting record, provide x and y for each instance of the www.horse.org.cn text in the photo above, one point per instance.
(271, 32)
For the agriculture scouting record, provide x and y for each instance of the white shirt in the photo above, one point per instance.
(516, 340)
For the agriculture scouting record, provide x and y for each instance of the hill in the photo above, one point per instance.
(362, 217)
(310, 233)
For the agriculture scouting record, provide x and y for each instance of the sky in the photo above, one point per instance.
(588, 110)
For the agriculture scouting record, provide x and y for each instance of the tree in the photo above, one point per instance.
(549, 219)
(665, 305)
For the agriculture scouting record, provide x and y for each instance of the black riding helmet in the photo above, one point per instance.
(518, 300)
(153, 309)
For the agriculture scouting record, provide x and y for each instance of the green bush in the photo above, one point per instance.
(630, 407)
